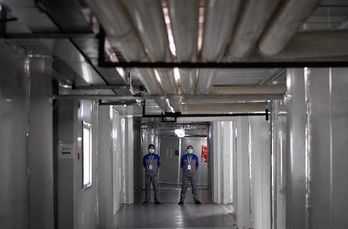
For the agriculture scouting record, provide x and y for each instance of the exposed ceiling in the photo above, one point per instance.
(177, 31)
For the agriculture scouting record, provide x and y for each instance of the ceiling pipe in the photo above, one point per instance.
(249, 90)
(220, 18)
(203, 98)
(250, 27)
(285, 25)
(149, 19)
(184, 22)
(223, 107)
(122, 34)
(315, 45)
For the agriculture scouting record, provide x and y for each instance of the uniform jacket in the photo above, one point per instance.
(153, 159)
(185, 162)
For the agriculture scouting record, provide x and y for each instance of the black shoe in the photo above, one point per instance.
(145, 202)
(197, 202)
(181, 203)
(157, 202)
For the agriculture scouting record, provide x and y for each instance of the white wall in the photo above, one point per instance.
(115, 162)
(112, 180)
(320, 185)
(26, 165)
(241, 165)
(222, 158)
(260, 150)
(279, 146)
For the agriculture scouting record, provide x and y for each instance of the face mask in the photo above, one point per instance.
(151, 151)
(190, 151)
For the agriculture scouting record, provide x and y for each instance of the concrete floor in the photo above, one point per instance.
(171, 215)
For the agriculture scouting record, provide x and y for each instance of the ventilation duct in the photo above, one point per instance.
(122, 34)
(220, 17)
(184, 22)
(211, 108)
(149, 19)
(318, 44)
(285, 24)
(250, 27)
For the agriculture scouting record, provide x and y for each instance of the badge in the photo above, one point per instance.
(150, 167)
(189, 167)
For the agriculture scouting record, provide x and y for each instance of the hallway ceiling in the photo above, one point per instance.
(167, 31)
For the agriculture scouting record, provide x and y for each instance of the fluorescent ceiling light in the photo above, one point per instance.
(180, 133)
(177, 74)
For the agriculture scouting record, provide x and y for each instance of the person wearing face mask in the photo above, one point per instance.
(189, 165)
(151, 163)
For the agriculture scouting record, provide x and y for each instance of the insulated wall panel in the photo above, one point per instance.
(260, 172)
(278, 163)
(327, 96)
(296, 158)
(13, 129)
(339, 140)
(242, 178)
(319, 98)
(105, 182)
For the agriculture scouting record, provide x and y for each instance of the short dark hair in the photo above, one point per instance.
(151, 145)
(189, 146)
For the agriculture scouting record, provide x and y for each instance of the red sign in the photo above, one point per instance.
(204, 155)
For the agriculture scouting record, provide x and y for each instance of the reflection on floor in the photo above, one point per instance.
(169, 214)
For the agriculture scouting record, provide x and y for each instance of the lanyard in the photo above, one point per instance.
(189, 158)
(151, 159)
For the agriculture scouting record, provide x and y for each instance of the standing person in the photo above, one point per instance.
(151, 163)
(189, 165)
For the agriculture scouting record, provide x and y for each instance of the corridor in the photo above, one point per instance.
(244, 101)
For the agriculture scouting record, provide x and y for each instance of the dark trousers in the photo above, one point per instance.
(185, 183)
(148, 181)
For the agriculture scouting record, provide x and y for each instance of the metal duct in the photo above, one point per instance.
(249, 90)
(220, 17)
(184, 22)
(319, 44)
(188, 81)
(119, 28)
(122, 34)
(285, 24)
(210, 108)
(250, 27)
(148, 18)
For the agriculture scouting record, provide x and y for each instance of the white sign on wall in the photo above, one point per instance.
(66, 151)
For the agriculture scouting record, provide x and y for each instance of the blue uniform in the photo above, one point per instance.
(151, 163)
(189, 165)
(186, 160)
(154, 160)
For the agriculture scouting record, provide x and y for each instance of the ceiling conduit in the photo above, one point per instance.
(149, 19)
(220, 18)
(285, 25)
(122, 34)
(320, 45)
(184, 22)
(211, 108)
(250, 27)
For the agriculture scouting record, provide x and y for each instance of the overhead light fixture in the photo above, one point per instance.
(157, 76)
(180, 133)
(169, 31)
(169, 106)
(177, 74)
